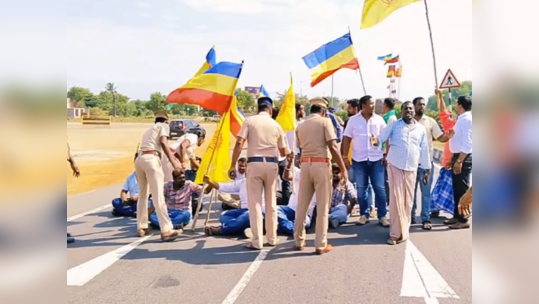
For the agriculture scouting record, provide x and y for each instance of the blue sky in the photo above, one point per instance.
(146, 46)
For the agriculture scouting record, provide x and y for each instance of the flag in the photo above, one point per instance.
(393, 60)
(217, 170)
(376, 11)
(211, 61)
(237, 118)
(386, 57)
(391, 71)
(330, 58)
(398, 72)
(263, 92)
(287, 113)
(212, 90)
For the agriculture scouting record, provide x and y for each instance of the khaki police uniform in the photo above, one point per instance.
(264, 139)
(313, 136)
(150, 176)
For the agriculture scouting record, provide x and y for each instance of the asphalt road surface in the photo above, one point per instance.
(108, 264)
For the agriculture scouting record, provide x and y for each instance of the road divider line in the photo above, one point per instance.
(78, 216)
(422, 280)
(247, 277)
(84, 273)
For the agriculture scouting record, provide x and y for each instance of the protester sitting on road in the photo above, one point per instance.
(233, 222)
(343, 200)
(286, 215)
(126, 204)
(178, 199)
(232, 201)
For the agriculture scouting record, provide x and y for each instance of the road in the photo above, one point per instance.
(108, 264)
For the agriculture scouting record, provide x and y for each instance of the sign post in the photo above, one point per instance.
(450, 82)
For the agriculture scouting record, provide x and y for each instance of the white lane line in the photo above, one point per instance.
(422, 280)
(431, 301)
(81, 194)
(78, 216)
(244, 281)
(82, 274)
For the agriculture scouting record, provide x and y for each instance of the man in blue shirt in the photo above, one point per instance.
(335, 123)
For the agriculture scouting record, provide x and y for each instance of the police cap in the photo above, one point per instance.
(265, 101)
(319, 102)
(161, 114)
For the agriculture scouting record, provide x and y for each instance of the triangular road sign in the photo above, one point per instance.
(450, 81)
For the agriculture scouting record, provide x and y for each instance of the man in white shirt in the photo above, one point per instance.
(286, 215)
(367, 160)
(185, 152)
(232, 201)
(462, 148)
(233, 222)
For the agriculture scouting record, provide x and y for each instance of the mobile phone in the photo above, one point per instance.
(232, 175)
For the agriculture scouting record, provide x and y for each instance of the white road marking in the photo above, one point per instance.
(431, 301)
(81, 194)
(78, 216)
(244, 281)
(421, 280)
(82, 274)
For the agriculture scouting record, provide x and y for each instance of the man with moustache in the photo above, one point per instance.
(409, 150)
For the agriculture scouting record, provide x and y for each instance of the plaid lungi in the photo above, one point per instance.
(442, 198)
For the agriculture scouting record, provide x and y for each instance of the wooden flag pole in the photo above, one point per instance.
(201, 200)
(359, 70)
(432, 44)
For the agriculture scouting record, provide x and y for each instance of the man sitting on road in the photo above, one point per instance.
(343, 200)
(178, 199)
(286, 215)
(233, 222)
(126, 204)
(232, 201)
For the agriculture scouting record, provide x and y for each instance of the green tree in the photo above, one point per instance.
(464, 90)
(112, 90)
(333, 101)
(79, 96)
(157, 101)
(246, 101)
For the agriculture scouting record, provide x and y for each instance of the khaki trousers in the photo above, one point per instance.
(314, 176)
(150, 178)
(231, 200)
(261, 186)
(401, 201)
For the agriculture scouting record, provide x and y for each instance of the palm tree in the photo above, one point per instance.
(112, 90)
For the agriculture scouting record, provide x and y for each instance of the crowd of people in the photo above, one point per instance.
(372, 160)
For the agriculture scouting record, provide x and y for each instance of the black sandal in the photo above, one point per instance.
(427, 226)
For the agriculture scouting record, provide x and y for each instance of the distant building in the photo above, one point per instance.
(254, 91)
(73, 112)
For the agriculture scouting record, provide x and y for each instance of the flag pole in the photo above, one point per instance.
(359, 70)
(431, 44)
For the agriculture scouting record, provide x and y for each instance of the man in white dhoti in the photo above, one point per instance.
(409, 150)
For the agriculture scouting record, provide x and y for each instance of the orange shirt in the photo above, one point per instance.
(448, 123)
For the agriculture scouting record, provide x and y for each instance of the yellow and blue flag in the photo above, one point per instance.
(217, 167)
(386, 57)
(237, 118)
(263, 92)
(211, 61)
(376, 11)
(330, 58)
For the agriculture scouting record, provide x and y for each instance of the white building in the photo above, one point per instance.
(73, 112)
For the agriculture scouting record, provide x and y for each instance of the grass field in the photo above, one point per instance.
(105, 155)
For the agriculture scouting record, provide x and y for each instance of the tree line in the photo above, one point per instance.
(111, 102)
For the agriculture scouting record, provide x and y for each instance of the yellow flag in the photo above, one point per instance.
(376, 11)
(287, 113)
(218, 168)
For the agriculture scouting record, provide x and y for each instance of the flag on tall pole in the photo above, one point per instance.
(211, 61)
(330, 58)
(376, 11)
(212, 90)
(263, 92)
(287, 119)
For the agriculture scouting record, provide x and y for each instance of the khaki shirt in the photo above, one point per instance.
(151, 140)
(264, 136)
(433, 132)
(313, 136)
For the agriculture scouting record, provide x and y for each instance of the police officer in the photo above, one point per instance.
(266, 142)
(318, 143)
(76, 173)
(150, 177)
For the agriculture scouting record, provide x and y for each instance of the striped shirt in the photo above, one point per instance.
(339, 197)
(409, 146)
(180, 199)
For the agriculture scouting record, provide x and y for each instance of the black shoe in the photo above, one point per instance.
(68, 235)
(70, 240)
(414, 222)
